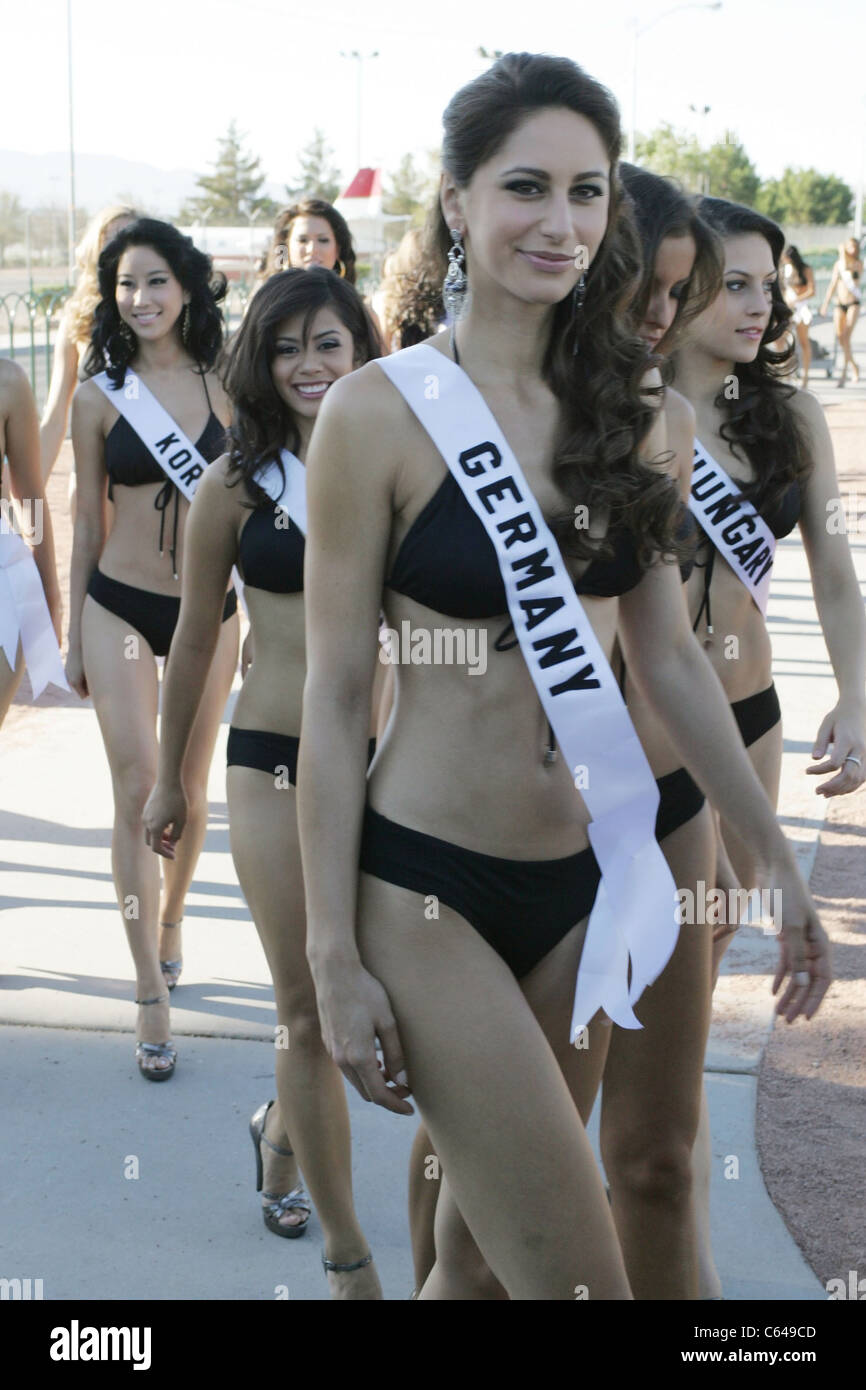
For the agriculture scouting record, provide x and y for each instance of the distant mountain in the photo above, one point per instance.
(41, 180)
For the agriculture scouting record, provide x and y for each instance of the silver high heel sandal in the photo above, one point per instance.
(163, 1049)
(278, 1205)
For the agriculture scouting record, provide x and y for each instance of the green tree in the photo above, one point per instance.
(318, 175)
(232, 193)
(672, 153)
(805, 195)
(723, 169)
(11, 222)
(730, 172)
(409, 190)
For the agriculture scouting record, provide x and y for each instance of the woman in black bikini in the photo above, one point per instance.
(652, 1076)
(159, 314)
(773, 439)
(468, 915)
(303, 331)
(845, 283)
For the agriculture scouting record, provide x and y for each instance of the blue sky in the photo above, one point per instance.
(159, 81)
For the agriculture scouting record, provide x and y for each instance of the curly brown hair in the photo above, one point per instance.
(606, 410)
(760, 423)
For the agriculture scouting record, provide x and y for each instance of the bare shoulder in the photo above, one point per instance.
(220, 485)
(14, 386)
(89, 404)
(679, 411)
(810, 414)
(366, 409)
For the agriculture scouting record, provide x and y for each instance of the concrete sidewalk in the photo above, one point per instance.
(128, 1190)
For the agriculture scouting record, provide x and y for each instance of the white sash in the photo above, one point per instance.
(178, 458)
(633, 918)
(289, 489)
(24, 613)
(738, 532)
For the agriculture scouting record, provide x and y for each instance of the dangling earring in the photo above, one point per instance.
(127, 335)
(455, 284)
(184, 324)
(578, 297)
(339, 268)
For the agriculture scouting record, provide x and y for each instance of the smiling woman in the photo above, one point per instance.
(458, 941)
(303, 332)
(159, 314)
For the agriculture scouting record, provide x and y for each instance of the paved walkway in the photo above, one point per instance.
(136, 1191)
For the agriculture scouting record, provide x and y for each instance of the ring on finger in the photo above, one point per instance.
(851, 759)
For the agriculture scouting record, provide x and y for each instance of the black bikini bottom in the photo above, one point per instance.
(153, 616)
(680, 798)
(267, 752)
(522, 907)
(757, 714)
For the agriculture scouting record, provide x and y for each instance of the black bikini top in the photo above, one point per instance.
(446, 562)
(128, 461)
(271, 552)
(784, 515)
(781, 518)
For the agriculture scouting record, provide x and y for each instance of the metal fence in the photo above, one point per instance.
(28, 328)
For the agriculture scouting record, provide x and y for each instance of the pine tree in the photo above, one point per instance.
(318, 176)
(409, 191)
(232, 193)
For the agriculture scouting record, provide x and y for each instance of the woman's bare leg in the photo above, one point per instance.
(178, 872)
(652, 1093)
(488, 1086)
(124, 691)
(312, 1100)
(9, 680)
(424, 1184)
(735, 869)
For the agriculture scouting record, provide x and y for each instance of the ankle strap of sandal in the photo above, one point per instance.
(160, 999)
(333, 1267)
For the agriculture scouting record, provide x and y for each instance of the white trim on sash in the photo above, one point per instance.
(737, 530)
(633, 919)
(176, 455)
(288, 489)
(24, 613)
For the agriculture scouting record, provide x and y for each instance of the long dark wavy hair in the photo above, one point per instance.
(262, 423)
(110, 349)
(275, 260)
(661, 209)
(760, 424)
(799, 265)
(605, 414)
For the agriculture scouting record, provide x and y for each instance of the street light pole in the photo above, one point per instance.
(70, 248)
(359, 58)
(637, 32)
